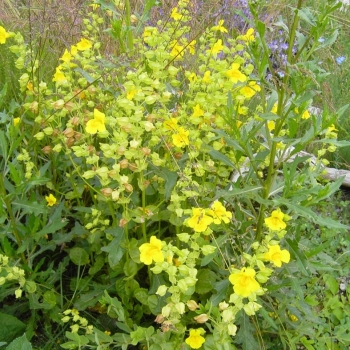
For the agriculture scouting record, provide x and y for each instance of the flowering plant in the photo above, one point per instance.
(184, 181)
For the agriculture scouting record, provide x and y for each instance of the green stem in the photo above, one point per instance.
(270, 178)
(143, 199)
(129, 34)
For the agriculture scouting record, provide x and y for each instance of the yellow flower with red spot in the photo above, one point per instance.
(277, 256)
(195, 340)
(97, 123)
(199, 220)
(151, 251)
(275, 221)
(244, 282)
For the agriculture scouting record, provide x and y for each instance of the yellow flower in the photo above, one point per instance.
(206, 77)
(220, 27)
(171, 124)
(217, 48)
(195, 340)
(16, 121)
(270, 125)
(275, 221)
(51, 200)
(235, 75)
(250, 90)
(219, 213)
(197, 111)
(293, 318)
(66, 57)
(151, 251)
(191, 47)
(3, 35)
(130, 95)
(59, 76)
(244, 282)
(192, 77)
(199, 220)
(180, 139)
(175, 15)
(96, 124)
(95, 6)
(249, 35)
(277, 256)
(274, 108)
(84, 44)
(305, 115)
(177, 49)
(73, 50)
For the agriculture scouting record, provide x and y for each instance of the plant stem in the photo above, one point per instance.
(279, 123)
(129, 34)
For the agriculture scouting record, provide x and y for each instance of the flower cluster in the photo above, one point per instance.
(11, 273)
(79, 322)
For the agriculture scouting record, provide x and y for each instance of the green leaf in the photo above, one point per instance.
(267, 318)
(298, 254)
(29, 207)
(114, 249)
(85, 74)
(52, 227)
(79, 256)
(10, 327)
(170, 178)
(221, 288)
(206, 280)
(20, 343)
(97, 266)
(245, 335)
(141, 294)
(3, 145)
(331, 283)
(311, 300)
(220, 156)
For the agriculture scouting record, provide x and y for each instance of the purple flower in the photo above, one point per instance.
(340, 59)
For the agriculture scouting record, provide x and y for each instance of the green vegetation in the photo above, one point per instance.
(154, 193)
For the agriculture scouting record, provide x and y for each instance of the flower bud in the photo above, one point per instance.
(122, 222)
(223, 306)
(192, 305)
(39, 136)
(124, 163)
(69, 132)
(159, 318)
(75, 121)
(47, 149)
(59, 104)
(128, 187)
(202, 318)
(107, 192)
